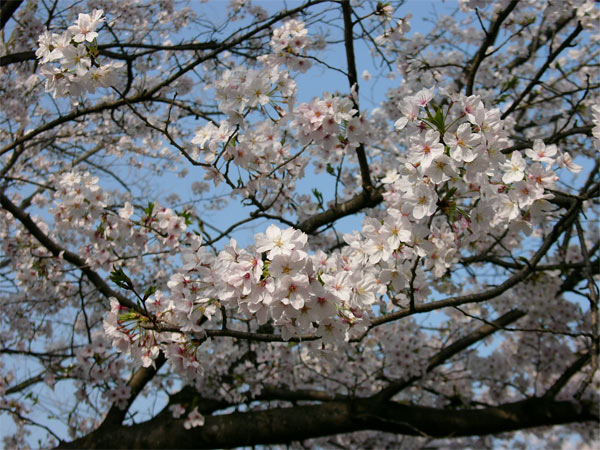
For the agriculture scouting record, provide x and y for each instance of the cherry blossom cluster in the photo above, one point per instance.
(320, 122)
(394, 33)
(76, 51)
(462, 188)
(276, 280)
(289, 44)
(450, 186)
(241, 89)
(259, 148)
(81, 206)
(328, 125)
(96, 366)
(120, 326)
(79, 200)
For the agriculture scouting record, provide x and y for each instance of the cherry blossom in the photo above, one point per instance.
(85, 27)
(404, 249)
(194, 419)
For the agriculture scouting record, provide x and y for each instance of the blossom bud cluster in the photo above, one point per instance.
(76, 51)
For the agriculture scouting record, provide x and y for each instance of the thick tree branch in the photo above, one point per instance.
(138, 381)
(585, 130)
(356, 204)
(284, 425)
(575, 367)
(32, 381)
(7, 9)
(276, 393)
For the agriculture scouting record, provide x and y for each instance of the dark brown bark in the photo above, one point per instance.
(7, 9)
(283, 425)
(366, 199)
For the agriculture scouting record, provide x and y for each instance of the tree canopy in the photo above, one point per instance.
(312, 224)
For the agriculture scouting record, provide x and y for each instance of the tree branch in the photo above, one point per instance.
(353, 81)
(542, 69)
(58, 252)
(490, 38)
(446, 353)
(586, 130)
(137, 382)
(7, 9)
(352, 206)
(284, 425)
(565, 222)
(575, 367)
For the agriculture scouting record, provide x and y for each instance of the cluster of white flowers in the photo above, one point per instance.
(76, 51)
(452, 189)
(193, 419)
(119, 395)
(288, 44)
(80, 205)
(394, 33)
(241, 89)
(79, 200)
(320, 120)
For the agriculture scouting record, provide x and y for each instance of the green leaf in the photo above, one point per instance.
(187, 216)
(437, 120)
(119, 277)
(128, 316)
(149, 209)
(511, 84)
(150, 291)
(463, 213)
(318, 196)
(450, 193)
